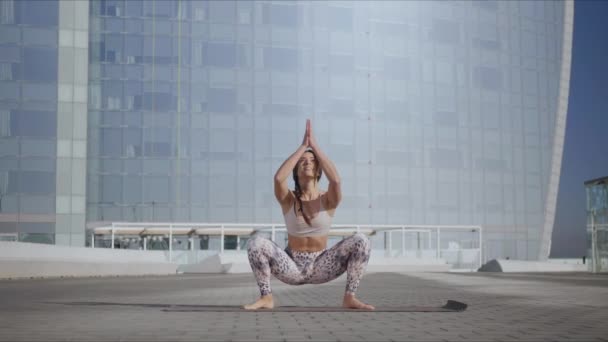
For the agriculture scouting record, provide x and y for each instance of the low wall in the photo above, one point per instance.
(238, 262)
(30, 260)
(26, 260)
(501, 265)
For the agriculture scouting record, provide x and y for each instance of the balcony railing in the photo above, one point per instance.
(459, 245)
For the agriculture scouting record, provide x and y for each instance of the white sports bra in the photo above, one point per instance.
(297, 226)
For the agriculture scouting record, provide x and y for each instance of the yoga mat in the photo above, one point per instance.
(449, 306)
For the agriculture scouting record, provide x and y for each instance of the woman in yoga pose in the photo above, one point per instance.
(308, 212)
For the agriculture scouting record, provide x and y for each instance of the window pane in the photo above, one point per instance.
(132, 189)
(443, 158)
(396, 68)
(341, 65)
(33, 123)
(219, 54)
(134, 8)
(280, 15)
(38, 164)
(37, 182)
(39, 64)
(10, 53)
(111, 189)
(222, 100)
(222, 11)
(9, 90)
(38, 148)
(280, 58)
(444, 31)
(8, 227)
(36, 36)
(488, 78)
(37, 238)
(340, 18)
(111, 144)
(37, 204)
(165, 8)
(156, 189)
(39, 92)
(37, 12)
(132, 142)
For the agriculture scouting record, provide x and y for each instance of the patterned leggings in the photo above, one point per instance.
(297, 268)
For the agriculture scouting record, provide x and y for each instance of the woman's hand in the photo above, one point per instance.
(334, 192)
(306, 140)
(312, 142)
(281, 191)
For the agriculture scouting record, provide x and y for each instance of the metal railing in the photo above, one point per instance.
(430, 240)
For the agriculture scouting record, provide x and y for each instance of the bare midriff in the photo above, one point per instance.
(307, 244)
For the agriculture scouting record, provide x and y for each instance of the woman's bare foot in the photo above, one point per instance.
(265, 302)
(351, 302)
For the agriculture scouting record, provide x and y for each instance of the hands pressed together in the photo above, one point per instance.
(309, 138)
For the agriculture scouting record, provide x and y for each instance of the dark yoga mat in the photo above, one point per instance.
(450, 306)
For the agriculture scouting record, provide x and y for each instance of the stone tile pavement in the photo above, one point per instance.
(502, 307)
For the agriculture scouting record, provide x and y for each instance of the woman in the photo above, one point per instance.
(308, 213)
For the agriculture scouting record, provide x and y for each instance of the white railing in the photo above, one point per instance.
(8, 237)
(430, 239)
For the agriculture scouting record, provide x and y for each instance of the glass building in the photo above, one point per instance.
(435, 113)
(43, 111)
(597, 224)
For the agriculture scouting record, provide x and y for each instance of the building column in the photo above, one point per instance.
(72, 88)
(559, 133)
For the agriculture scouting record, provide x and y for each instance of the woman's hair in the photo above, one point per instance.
(298, 190)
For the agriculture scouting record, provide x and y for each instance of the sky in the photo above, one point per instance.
(586, 144)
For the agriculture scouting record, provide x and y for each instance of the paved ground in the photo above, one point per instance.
(527, 307)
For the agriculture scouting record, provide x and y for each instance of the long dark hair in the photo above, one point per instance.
(298, 190)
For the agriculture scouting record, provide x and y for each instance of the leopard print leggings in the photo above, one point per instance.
(297, 268)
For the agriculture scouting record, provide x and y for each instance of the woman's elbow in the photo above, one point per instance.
(278, 179)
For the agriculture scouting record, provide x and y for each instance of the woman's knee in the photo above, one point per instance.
(362, 240)
(256, 242)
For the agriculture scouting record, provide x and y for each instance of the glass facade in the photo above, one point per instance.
(28, 119)
(435, 113)
(597, 224)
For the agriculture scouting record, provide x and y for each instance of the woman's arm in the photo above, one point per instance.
(334, 192)
(281, 191)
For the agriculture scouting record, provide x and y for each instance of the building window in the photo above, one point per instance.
(280, 15)
(280, 58)
(31, 123)
(219, 55)
(35, 182)
(222, 100)
(37, 238)
(489, 5)
(340, 18)
(111, 143)
(487, 78)
(444, 158)
(38, 13)
(445, 31)
(396, 68)
(39, 64)
(222, 12)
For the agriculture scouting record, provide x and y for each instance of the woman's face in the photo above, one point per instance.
(307, 165)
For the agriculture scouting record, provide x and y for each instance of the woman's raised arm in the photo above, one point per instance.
(281, 191)
(334, 192)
